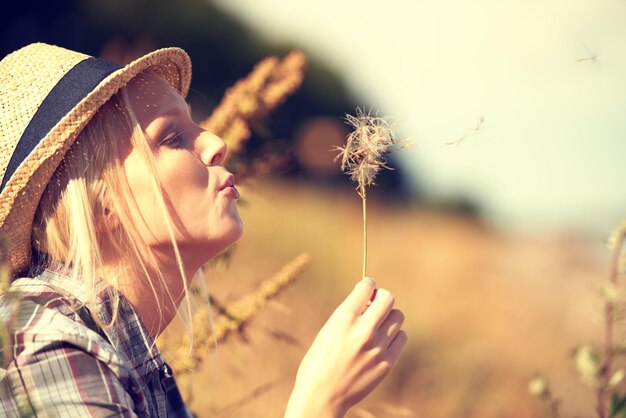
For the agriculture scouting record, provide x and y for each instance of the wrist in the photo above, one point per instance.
(312, 406)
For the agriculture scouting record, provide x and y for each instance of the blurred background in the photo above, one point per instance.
(491, 229)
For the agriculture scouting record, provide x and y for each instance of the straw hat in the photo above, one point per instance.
(47, 96)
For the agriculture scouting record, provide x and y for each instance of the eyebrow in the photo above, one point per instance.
(176, 111)
(166, 126)
(167, 123)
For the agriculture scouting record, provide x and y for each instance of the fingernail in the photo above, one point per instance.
(369, 281)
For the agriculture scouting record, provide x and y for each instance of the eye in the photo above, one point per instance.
(174, 140)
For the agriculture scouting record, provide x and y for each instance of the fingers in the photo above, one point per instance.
(392, 325)
(373, 308)
(358, 299)
(392, 353)
(380, 307)
(396, 346)
(388, 330)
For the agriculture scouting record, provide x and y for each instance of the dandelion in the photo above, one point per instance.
(363, 156)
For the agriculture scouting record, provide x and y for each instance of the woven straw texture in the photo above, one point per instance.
(26, 78)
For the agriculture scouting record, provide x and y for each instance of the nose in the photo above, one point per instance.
(211, 148)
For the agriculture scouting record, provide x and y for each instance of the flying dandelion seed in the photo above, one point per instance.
(363, 156)
(591, 56)
(471, 133)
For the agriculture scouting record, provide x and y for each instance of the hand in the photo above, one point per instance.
(356, 348)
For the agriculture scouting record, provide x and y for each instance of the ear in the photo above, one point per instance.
(107, 221)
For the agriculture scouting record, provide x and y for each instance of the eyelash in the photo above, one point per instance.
(173, 141)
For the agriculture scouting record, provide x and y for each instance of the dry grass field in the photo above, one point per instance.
(485, 310)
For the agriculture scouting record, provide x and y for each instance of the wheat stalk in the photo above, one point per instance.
(234, 316)
(363, 156)
(252, 98)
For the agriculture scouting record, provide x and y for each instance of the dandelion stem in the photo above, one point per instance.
(364, 198)
(363, 156)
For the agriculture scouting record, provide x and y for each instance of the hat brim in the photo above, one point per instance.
(23, 191)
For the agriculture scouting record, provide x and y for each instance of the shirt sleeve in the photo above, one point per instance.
(64, 380)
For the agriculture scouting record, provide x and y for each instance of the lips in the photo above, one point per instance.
(228, 182)
(228, 187)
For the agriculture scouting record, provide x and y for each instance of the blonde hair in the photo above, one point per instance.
(88, 187)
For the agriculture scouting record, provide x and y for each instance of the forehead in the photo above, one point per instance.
(152, 98)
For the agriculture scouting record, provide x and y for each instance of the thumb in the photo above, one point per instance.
(357, 300)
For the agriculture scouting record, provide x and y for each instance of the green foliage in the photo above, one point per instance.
(618, 406)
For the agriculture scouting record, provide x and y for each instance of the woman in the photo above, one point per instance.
(111, 200)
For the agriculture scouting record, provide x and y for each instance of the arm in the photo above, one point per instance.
(353, 352)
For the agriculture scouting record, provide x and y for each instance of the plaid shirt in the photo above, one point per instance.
(60, 363)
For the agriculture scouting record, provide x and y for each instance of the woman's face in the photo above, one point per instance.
(199, 192)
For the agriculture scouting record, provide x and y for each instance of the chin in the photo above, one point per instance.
(234, 233)
(228, 238)
(237, 229)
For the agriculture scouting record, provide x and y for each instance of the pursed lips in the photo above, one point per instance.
(229, 186)
(229, 182)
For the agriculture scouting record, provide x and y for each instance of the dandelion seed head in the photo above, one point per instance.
(363, 156)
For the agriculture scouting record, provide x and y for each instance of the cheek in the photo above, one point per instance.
(184, 180)
(185, 184)
(142, 204)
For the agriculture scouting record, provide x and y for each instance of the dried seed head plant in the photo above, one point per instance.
(234, 316)
(601, 368)
(231, 319)
(245, 105)
(363, 156)
(252, 99)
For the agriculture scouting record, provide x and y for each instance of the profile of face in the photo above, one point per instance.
(199, 192)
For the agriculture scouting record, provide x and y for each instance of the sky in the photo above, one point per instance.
(535, 91)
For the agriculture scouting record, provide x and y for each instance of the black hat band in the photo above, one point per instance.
(73, 87)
